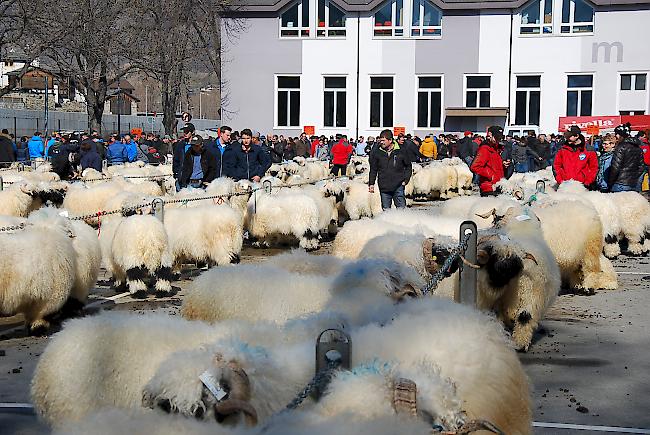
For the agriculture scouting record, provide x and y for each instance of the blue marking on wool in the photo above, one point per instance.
(243, 348)
(374, 367)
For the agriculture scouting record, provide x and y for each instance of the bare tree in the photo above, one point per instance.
(179, 37)
(99, 35)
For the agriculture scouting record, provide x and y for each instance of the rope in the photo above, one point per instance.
(454, 255)
(127, 177)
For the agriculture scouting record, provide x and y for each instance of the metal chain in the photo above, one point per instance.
(12, 228)
(320, 381)
(454, 255)
(127, 177)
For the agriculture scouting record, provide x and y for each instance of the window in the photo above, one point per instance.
(537, 18)
(294, 22)
(430, 102)
(579, 95)
(389, 20)
(331, 20)
(577, 17)
(381, 101)
(477, 91)
(9, 63)
(527, 100)
(288, 101)
(334, 102)
(636, 82)
(631, 112)
(427, 19)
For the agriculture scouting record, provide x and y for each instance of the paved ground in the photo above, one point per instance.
(590, 364)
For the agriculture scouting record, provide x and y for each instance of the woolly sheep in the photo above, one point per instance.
(209, 233)
(358, 202)
(22, 198)
(36, 289)
(635, 220)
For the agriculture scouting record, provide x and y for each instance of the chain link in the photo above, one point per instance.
(320, 381)
(12, 228)
(454, 255)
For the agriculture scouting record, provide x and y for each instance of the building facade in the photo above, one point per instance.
(357, 67)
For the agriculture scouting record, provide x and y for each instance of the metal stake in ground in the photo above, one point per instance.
(466, 291)
(158, 205)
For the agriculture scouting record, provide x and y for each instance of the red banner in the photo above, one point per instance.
(638, 122)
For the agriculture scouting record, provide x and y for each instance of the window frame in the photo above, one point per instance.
(478, 90)
(528, 90)
(336, 96)
(407, 26)
(580, 89)
(327, 29)
(429, 91)
(620, 92)
(301, 27)
(276, 99)
(381, 101)
(571, 24)
(542, 25)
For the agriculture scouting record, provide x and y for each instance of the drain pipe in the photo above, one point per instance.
(510, 68)
(356, 134)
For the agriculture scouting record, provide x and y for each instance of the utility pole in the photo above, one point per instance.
(119, 108)
(146, 102)
(45, 109)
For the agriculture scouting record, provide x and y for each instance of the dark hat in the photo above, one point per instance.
(188, 127)
(623, 130)
(574, 130)
(497, 131)
(196, 140)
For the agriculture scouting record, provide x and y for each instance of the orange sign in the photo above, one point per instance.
(593, 130)
(310, 130)
(136, 131)
(399, 130)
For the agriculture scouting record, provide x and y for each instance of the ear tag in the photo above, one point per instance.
(504, 238)
(522, 218)
(213, 386)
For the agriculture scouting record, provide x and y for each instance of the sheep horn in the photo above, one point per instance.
(491, 213)
(530, 256)
(482, 257)
(233, 406)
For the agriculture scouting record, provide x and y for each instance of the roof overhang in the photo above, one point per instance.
(446, 5)
(477, 112)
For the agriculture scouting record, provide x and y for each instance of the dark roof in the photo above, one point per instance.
(123, 84)
(112, 93)
(366, 5)
(16, 72)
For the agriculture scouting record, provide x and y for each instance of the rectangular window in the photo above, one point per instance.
(427, 19)
(288, 101)
(527, 100)
(331, 20)
(633, 82)
(537, 18)
(389, 20)
(429, 102)
(381, 101)
(477, 91)
(294, 22)
(335, 102)
(577, 17)
(579, 95)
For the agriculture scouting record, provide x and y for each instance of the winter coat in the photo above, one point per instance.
(575, 164)
(131, 151)
(276, 151)
(466, 148)
(429, 149)
(90, 159)
(521, 152)
(488, 166)
(627, 163)
(390, 170)
(411, 150)
(602, 177)
(645, 148)
(241, 165)
(22, 152)
(7, 153)
(288, 153)
(36, 147)
(302, 148)
(210, 165)
(116, 153)
(341, 153)
(180, 149)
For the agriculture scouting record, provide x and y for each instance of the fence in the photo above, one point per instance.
(26, 122)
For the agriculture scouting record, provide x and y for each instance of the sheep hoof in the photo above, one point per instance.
(162, 294)
(234, 258)
(38, 328)
(140, 294)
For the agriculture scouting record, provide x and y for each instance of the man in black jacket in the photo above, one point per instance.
(245, 161)
(7, 154)
(200, 166)
(391, 167)
(466, 148)
(627, 166)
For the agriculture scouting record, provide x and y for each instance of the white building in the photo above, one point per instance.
(359, 66)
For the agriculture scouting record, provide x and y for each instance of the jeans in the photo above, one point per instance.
(623, 188)
(387, 199)
(521, 167)
(338, 170)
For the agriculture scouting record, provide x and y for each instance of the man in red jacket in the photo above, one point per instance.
(488, 164)
(573, 161)
(341, 153)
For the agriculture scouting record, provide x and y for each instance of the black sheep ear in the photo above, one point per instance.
(502, 270)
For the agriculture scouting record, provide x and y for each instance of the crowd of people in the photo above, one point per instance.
(611, 163)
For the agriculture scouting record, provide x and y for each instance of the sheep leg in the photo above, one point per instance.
(163, 281)
(611, 248)
(135, 281)
(309, 241)
(646, 242)
(35, 319)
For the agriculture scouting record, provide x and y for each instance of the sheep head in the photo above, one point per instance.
(500, 259)
(435, 252)
(236, 383)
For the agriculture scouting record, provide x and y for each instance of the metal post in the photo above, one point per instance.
(2, 185)
(46, 110)
(333, 347)
(15, 128)
(158, 205)
(104, 165)
(540, 186)
(466, 291)
(267, 186)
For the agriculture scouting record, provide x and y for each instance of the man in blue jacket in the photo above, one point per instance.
(131, 148)
(245, 161)
(36, 146)
(116, 151)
